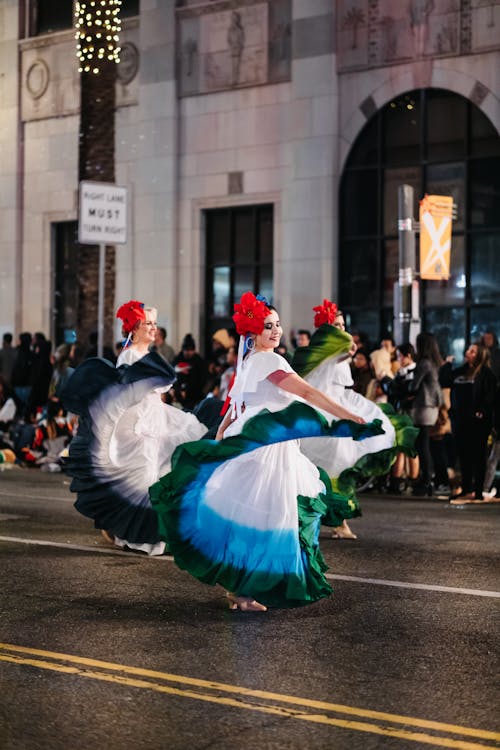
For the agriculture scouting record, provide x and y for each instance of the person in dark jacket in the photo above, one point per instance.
(398, 391)
(428, 397)
(41, 373)
(21, 372)
(192, 374)
(473, 390)
(361, 370)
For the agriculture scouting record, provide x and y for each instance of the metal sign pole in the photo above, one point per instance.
(100, 307)
(406, 313)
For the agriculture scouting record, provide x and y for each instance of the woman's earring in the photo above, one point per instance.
(250, 343)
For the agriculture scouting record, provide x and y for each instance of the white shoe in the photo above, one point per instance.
(491, 494)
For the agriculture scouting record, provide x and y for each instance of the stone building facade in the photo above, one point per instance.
(239, 128)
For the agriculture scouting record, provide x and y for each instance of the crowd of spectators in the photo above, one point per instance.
(457, 409)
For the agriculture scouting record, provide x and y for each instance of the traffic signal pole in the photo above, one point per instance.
(406, 288)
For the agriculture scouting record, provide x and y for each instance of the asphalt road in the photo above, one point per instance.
(108, 649)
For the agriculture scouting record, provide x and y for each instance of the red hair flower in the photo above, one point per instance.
(325, 313)
(249, 314)
(130, 314)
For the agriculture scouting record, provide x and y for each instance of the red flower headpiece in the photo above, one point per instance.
(325, 313)
(130, 314)
(249, 314)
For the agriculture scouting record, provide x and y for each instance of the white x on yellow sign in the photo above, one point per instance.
(435, 236)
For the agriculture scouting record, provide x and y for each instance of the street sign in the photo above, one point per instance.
(103, 214)
(436, 213)
(102, 221)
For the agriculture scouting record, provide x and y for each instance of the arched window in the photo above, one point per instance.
(440, 143)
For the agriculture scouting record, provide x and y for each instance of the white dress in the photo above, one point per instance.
(334, 378)
(245, 512)
(125, 442)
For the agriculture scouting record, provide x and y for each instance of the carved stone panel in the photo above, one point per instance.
(234, 48)
(50, 78)
(229, 45)
(375, 32)
(352, 32)
(485, 25)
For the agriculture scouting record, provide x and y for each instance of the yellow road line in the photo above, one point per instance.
(124, 679)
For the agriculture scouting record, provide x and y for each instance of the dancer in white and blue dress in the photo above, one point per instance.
(325, 364)
(245, 511)
(126, 434)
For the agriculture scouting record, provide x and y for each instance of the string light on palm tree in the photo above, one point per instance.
(98, 26)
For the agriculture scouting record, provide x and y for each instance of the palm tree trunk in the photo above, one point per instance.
(96, 162)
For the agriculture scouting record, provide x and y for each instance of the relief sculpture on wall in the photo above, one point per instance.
(373, 33)
(233, 46)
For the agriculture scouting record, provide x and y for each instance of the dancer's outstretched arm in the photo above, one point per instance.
(293, 383)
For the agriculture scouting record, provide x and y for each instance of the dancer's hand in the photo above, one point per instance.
(355, 418)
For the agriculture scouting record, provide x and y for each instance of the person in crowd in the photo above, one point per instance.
(53, 432)
(325, 363)
(217, 360)
(361, 371)
(489, 490)
(192, 374)
(384, 359)
(244, 512)
(427, 398)
(209, 409)
(398, 390)
(473, 394)
(22, 372)
(160, 345)
(380, 361)
(61, 373)
(303, 337)
(490, 341)
(389, 345)
(442, 446)
(41, 374)
(126, 434)
(360, 338)
(7, 358)
(8, 406)
(77, 354)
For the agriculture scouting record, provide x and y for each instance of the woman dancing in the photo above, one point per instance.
(245, 511)
(126, 434)
(325, 364)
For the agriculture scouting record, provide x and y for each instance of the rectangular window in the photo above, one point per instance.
(360, 204)
(485, 193)
(446, 125)
(485, 269)
(239, 257)
(129, 8)
(359, 277)
(47, 16)
(65, 270)
(448, 326)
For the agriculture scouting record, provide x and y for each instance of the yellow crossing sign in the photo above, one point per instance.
(435, 236)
